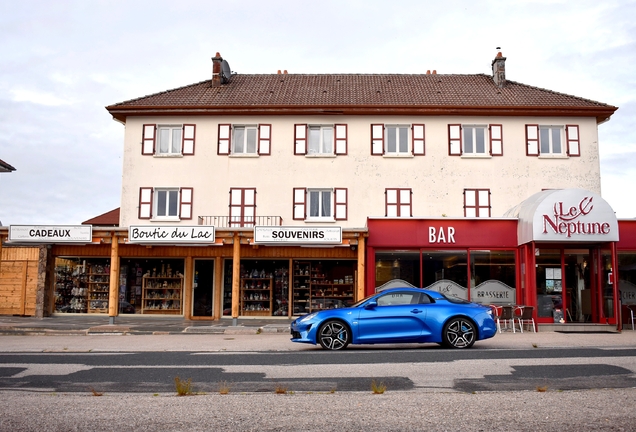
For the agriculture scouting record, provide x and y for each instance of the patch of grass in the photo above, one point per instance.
(184, 388)
(378, 387)
(156, 394)
(332, 390)
(542, 389)
(534, 345)
(95, 392)
(224, 388)
(280, 389)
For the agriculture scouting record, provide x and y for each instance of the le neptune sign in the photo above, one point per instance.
(567, 215)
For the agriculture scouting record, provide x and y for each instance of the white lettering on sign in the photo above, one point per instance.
(566, 220)
(171, 234)
(441, 235)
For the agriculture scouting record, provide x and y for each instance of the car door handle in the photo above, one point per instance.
(416, 311)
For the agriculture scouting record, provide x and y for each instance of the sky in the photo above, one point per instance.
(62, 62)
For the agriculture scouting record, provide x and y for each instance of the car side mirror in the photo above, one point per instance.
(371, 304)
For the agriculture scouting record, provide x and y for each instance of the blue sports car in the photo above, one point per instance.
(398, 315)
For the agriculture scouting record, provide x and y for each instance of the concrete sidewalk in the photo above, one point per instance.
(176, 334)
(280, 342)
(138, 325)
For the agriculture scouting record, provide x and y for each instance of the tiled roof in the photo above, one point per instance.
(360, 91)
(110, 218)
(5, 167)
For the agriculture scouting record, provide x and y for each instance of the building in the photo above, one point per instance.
(278, 194)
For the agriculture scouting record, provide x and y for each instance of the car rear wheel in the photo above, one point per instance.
(459, 333)
(334, 335)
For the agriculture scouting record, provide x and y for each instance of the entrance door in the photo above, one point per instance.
(203, 288)
(578, 285)
(582, 292)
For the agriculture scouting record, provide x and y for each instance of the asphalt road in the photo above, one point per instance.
(427, 368)
(529, 382)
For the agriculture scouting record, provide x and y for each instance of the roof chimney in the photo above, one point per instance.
(499, 70)
(216, 70)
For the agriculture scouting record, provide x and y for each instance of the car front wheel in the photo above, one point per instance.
(459, 333)
(334, 335)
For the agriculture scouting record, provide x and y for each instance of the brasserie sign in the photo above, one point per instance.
(170, 234)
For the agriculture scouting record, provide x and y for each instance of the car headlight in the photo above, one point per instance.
(307, 317)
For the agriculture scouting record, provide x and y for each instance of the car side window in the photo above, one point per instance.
(397, 298)
(425, 299)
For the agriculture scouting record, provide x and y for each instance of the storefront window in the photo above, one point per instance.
(151, 286)
(82, 285)
(627, 275)
(322, 284)
(446, 272)
(392, 265)
(493, 277)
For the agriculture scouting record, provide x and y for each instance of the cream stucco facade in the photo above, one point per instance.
(436, 179)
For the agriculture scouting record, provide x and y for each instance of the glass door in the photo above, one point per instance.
(202, 288)
(549, 281)
(578, 285)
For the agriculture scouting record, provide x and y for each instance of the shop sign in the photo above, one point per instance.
(574, 215)
(494, 292)
(441, 235)
(171, 234)
(449, 288)
(51, 233)
(297, 235)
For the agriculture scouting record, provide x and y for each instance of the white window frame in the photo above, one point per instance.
(398, 142)
(486, 147)
(477, 203)
(244, 142)
(311, 198)
(398, 202)
(324, 131)
(172, 193)
(171, 144)
(550, 143)
(242, 207)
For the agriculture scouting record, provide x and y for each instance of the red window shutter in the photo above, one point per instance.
(417, 131)
(148, 139)
(187, 145)
(496, 139)
(185, 203)
(455, 139)
(300, 200)
(300, 139)
(340, 138)
(532, 140)
(573, 140)
(377, 139)
(264, 139)
(340, 203)
(225, 139)
(145, 203)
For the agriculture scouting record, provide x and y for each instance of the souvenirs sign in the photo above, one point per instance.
(297, 235)
(51, 233)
